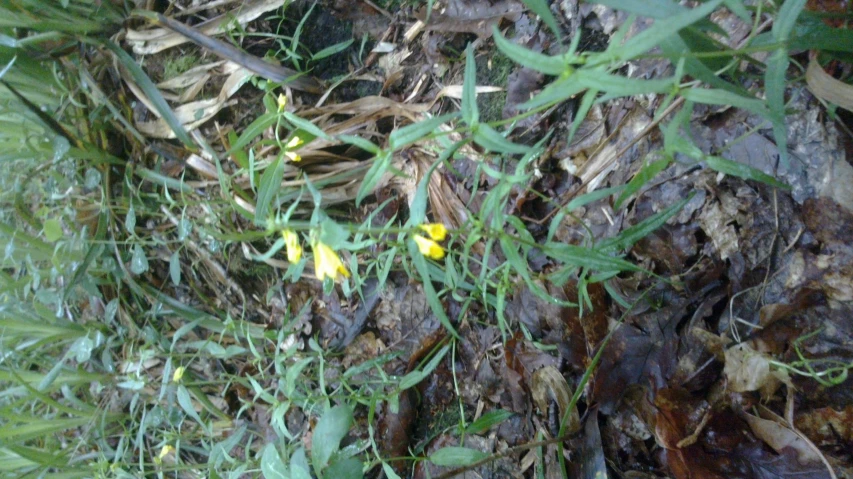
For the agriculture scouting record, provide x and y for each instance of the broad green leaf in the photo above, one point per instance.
(488, 420)
(470, 113)
(348, 468)
(267, 189)
(330, 429)
(629, 236)
(411, 133)
(489, 138)
(272, 466)
(733, 168)
(548, 65)
(456, 456)
(646, 173)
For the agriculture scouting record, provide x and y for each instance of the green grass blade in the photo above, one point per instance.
(733, 168)
(470, 113)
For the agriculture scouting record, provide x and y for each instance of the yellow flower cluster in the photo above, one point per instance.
(429, 246)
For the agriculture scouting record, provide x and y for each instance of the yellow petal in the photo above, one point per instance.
(436, 231)
(179, 374)
(293, 156)
(294, 142)
(292, 246)
(282, 101)
(428, 247)
(327, 263)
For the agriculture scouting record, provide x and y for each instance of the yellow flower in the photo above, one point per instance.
(293, 143)
(429, 247)
(327, 263)
(436, 231)
(165, 451)
(292, 246)
(179, 374)
(282, 102)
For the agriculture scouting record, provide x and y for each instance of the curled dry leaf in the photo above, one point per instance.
(828, 89)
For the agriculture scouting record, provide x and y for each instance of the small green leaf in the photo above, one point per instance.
(175, 268)
(381, 163)
(456, 456)
(774, 86)
(138, 260)
(348, 468)
(733, 168)
(331, 428)
(631, 235)
(413, 378)
(429, 291)
(540, 7)
(52, 230)
(488, 420)
(726, 98)
(254, 130)
(329, 51)
(130, 219)
(186, 404)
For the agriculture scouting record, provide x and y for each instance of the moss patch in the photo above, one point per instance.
(492, 70)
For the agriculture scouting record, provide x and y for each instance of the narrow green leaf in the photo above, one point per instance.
(596, 195)
(646, 173)
(648, 8)
(528, 58)
(585, 105)
(429, 291)
(175, 268)
(411, 380)
(470, 113)
(540, 7)
(489, 138)
(456, 456)
(151, 91)
(329, 51)
(360, 142)
(186, 404)
(651, 37)
(254, 130)
(381, 163)
(629, 236)
(411, 133)
(561, 89)
(587, 258)
(785, 20)
(727, 98)
(616, 85)
(774, 85)
(733, 168)
(267, 189)
(306, 125)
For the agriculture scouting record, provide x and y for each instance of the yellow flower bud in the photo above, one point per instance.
(178, 374)
(327, 263)
(429, 247)
(436, 231)
(292, 246)
(165, 451)
(282, 102)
